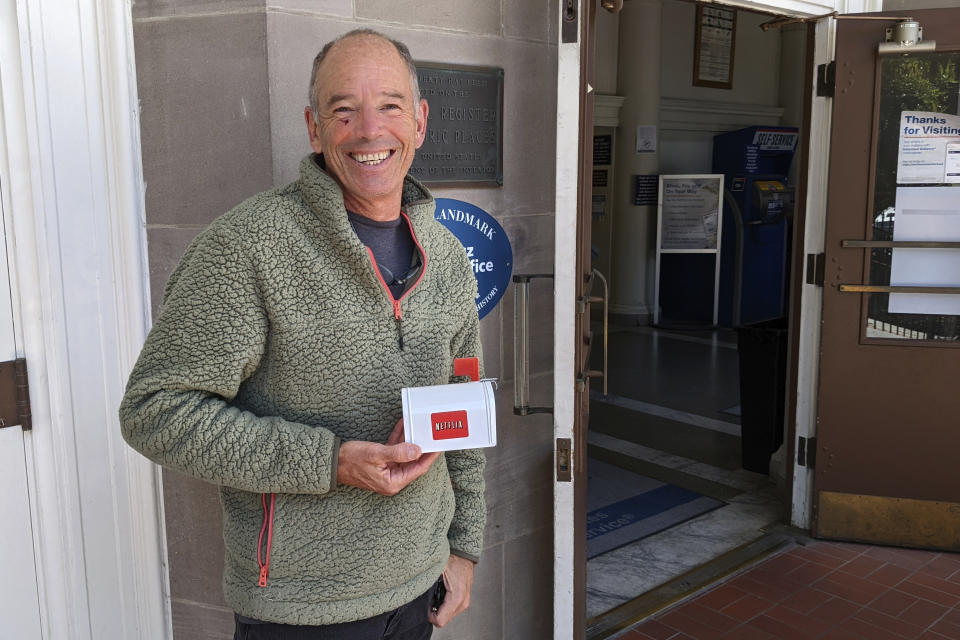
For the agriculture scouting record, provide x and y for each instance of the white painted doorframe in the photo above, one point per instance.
(77, 254)
(19, 593)
(564, 321)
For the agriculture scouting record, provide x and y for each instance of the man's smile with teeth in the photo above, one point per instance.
(371, 159)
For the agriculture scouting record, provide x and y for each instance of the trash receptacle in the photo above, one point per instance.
(762, 350)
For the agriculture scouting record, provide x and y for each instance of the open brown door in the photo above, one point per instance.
(584, 338)
(888, 442)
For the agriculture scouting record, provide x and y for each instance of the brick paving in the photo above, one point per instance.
(823, 590)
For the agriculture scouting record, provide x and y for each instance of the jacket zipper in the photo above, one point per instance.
(267, 528)
(397, 309)
(263, 554)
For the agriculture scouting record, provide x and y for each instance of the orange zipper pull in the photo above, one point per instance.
(398, 314)
(263, 577)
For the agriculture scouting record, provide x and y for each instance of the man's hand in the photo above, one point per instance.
(458, 578)
(385, 469)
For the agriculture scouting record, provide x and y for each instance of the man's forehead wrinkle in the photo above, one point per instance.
(338, 97)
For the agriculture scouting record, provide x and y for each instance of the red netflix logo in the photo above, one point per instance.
(449, 424)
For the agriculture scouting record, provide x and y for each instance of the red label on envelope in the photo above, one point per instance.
(449, 424)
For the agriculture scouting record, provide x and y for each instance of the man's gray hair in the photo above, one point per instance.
(400, 47)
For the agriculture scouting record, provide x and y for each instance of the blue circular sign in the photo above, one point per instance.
(487, 245)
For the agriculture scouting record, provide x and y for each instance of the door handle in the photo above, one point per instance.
(521, 345)
(582, 303)
(875, 288)
(898, 244)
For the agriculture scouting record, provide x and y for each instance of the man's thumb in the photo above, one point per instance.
(405, 452)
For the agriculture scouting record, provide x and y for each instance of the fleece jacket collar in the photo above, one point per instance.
(321, 191)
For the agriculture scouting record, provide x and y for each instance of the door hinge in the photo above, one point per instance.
(570, 31)
(826, 79)
(563, 460)
(816, 264)
(807, 452)
(14, 394)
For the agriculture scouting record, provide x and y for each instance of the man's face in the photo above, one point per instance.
(368, 127)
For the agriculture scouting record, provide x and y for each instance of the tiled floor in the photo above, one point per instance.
(823, 590)
(665, 412)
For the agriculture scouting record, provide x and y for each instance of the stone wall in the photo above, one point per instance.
(223, 87)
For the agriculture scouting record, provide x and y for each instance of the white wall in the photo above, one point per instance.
(895, 5)
(607, 45)
(690, 116)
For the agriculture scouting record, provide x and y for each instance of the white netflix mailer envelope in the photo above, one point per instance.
(448, 417)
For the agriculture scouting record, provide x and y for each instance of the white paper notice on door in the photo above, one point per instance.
(929, 151)
(930, 214)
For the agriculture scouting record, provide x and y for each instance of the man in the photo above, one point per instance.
(275, 369)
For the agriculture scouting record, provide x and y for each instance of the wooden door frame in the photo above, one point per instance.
(567, 591)
(807, 295)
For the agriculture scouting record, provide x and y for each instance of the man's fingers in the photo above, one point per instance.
(443, 615)
(396, 436)
(453, 605)
(420, 466)
(385, 469)
(410, 471)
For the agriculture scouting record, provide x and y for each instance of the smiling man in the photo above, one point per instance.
(275, 366)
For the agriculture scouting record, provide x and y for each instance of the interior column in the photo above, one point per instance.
(634, 227)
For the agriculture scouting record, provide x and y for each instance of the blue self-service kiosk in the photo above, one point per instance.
(757, 214)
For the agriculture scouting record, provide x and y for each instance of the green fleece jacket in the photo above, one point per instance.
(276, 341)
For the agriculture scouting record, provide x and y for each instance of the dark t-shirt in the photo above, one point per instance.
(392, 247)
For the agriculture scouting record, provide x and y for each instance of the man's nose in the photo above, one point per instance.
(370, 122)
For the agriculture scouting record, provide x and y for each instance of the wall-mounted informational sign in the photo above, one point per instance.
(603, 149)
(929, 151)
(714, 46)
(600, 177)
(599, 205)
(645, 189)
(464, 141)
(646, 138)
(689, 219)
(487, 246)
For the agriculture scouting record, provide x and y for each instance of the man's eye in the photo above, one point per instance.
(388, 107)
(343, 110)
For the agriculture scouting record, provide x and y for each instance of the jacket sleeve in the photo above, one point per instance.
(209, 338)
(466, 466)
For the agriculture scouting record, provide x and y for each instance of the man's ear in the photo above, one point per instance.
(313, 132)
(423, 109)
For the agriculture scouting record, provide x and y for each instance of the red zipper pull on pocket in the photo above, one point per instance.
(267, 528)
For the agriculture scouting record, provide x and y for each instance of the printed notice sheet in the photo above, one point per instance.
(930, 214)
(689, 212)
(929, 150)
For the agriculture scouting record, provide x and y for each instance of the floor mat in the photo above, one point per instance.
(623, 506)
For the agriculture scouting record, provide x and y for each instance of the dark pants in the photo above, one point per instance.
(408, 622)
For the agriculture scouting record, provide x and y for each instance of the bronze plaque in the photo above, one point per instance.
(464, 139)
